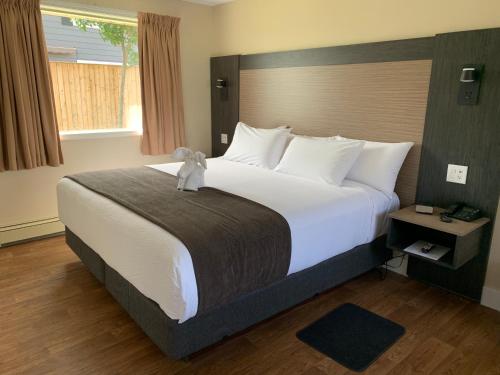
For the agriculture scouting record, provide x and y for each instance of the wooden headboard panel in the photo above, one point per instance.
(383, 101)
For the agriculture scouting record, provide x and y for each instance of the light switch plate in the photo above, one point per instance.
(223, 138)
(457, 174)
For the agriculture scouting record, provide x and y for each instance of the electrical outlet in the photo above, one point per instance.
(223, 139)
(457, 174)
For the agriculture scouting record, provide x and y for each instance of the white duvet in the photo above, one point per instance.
(325, 221)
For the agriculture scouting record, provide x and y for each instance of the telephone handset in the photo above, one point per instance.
(461, 212)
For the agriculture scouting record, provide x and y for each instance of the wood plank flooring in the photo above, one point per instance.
(55, 318)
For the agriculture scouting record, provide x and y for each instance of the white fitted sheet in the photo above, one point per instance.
(324, 220)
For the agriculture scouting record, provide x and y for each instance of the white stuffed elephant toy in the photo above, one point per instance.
(191, 175)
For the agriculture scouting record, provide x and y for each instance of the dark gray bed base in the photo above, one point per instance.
(179, 340)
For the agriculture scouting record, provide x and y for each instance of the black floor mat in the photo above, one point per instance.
(352, 336)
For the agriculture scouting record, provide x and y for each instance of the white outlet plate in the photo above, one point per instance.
(457, 174)
(223, 139)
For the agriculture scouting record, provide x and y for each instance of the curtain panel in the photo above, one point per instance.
(161, 87)
(29, 136)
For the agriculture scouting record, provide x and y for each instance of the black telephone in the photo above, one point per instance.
(462, 212)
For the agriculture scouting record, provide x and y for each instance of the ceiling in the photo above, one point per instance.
(209, 2)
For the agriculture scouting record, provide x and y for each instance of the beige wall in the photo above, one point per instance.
(250, 26)
(30, 195)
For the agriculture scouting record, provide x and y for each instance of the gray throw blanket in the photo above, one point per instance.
(237, 245)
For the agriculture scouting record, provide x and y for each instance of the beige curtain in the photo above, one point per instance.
(29, 136)
(161, 88)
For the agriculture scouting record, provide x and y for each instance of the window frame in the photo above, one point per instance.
(68, 135)
(63, 9)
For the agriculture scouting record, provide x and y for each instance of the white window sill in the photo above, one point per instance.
(94, 134)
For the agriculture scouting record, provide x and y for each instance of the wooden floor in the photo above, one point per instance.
(56, 318)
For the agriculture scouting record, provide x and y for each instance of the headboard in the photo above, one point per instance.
(373, 91)
(375, 101)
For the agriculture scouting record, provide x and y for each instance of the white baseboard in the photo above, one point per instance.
(491, 298)
(21, 232)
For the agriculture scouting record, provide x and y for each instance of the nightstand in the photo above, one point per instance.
(460, 237)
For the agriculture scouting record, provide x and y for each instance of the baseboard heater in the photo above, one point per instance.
(22, 232)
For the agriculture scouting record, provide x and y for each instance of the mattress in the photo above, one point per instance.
(324, 220)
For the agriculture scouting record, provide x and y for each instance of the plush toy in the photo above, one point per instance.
(191, 175)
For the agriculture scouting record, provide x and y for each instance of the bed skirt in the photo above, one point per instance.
(180, 340)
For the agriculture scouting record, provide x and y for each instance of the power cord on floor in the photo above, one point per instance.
(383, 269)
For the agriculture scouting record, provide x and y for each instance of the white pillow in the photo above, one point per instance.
(319, 159)
(260, 147)
(378, 164)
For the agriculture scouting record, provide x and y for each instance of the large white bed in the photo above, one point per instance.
(325, 220)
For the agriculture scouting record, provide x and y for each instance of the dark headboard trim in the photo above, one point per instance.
(395, 50)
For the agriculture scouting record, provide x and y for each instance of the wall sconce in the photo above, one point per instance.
(221, 83)
(221, 86)
(470, 81)
(468, 75)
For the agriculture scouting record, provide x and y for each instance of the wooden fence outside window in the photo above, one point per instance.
(87, 96)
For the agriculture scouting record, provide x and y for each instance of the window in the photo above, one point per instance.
(95, 73)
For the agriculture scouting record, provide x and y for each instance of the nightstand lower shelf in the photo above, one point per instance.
(445, 261)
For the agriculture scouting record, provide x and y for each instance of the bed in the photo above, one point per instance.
(337, 233)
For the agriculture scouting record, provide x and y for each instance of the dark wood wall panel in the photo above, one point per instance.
(394, 50)
(464, 135)
(225, 102)
(377, 101)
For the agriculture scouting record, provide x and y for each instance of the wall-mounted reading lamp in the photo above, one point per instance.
(470, 81)
(221, 83)
(221, 86)
(468, 75)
